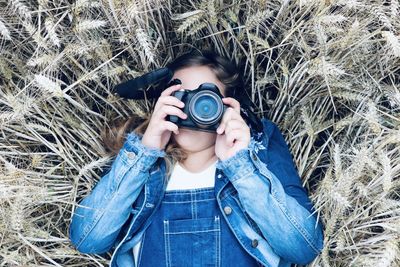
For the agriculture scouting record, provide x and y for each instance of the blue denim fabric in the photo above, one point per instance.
(259, 183)
(189, 230)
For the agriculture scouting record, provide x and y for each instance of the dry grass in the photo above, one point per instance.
(327, 72)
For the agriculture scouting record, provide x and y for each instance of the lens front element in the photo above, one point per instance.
(205, 108)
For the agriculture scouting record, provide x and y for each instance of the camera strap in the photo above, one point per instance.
(131, 89)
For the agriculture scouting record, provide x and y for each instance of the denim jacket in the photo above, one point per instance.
(270, 212)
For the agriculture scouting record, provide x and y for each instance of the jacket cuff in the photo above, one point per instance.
(135, 152)
(239, 165)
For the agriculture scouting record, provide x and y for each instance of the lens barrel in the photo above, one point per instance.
(205, 108)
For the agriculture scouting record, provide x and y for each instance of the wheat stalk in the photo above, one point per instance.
(21, 8)
(50, 87)
(393, 42)
(4, 31)
(50, 27)
(145, 44)
(88, 25)
(326, 72)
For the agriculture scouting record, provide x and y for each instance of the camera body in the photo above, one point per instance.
(203, 106)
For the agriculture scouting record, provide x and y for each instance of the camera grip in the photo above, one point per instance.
(178, 94)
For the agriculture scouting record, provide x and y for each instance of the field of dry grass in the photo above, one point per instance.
(327, 72)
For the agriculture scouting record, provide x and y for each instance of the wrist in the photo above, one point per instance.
(134, 143)
(135, 152)
(147, 145)
(241, 164)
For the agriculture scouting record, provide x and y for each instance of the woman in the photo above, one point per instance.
(182, 197)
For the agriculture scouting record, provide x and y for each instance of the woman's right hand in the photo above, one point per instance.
(159, 130)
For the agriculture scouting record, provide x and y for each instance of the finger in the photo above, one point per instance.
(171, 89)
(229, 114)
(226, 117)
(237, 116)
(168, 100)
(232, 103)
(234, 124)
(233, 135)
(170, 126)
(166, 92)
(169, 110)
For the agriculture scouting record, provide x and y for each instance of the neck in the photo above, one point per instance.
(199, 160)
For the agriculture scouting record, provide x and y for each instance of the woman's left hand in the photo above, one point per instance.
(233, 132)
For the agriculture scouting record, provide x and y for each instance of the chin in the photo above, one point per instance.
(193, 140)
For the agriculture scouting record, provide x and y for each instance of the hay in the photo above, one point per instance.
(327, 72)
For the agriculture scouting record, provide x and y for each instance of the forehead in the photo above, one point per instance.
(193, 76)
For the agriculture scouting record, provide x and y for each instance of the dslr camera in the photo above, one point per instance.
(203, 106)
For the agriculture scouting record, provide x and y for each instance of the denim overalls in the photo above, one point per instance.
(189, 230)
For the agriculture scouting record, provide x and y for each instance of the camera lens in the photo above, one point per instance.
(205, 108)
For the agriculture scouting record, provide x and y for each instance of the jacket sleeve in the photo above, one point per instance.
(100, 216)
(284, 218)
(280, 162)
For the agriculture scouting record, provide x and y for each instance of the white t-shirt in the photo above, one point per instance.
(182, 179)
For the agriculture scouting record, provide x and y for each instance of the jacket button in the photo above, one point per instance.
(254, 243)
(254, 156)
(219, 176)
(130, 154)
(149, 205)
(227, 210)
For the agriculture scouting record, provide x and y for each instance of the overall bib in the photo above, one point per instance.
(189, 230)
